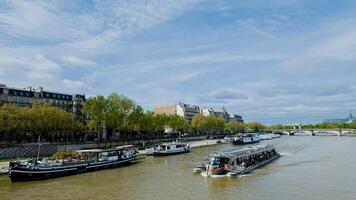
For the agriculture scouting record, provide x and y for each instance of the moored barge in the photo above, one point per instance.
(245, 139)
(167, 149)
(238, 162)
(87, 160)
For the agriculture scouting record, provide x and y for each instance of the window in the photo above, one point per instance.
(4, 98)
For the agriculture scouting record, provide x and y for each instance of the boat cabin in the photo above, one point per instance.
(104, 155)
(170, 146)
(240, 160)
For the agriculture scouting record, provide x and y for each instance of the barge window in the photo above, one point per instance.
(103, 156)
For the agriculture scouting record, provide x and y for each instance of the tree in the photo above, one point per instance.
(198, 123)
(46, 120)
(207, 124)
(176, 122)
(235, 127)
(352, 125)
(256, 126)
(276, 127)
(215, 124)
(113, 113)
(96, 110)
(134, 119)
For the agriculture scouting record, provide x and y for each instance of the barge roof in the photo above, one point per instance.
(104, 150)
(245, 151)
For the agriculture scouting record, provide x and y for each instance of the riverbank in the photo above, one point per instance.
(4, 166)
(47, 149)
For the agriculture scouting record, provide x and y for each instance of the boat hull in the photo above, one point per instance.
(162, 153)
(19, 174)
(216, 171)
(239, 142)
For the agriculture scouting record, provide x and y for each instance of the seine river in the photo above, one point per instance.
(320, 167)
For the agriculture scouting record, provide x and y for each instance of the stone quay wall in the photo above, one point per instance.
(47, 149)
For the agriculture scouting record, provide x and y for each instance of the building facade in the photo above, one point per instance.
(235, 117)
(29, 96)
(185, 110)
(168, 109)
(189, 111)
(223, 114)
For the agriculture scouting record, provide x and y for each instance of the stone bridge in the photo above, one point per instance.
(314, 132)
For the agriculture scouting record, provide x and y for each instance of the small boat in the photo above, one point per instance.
(268, 136)
(245, 139)
(238, 162)
(149, 151)
(85, 161)
(167, 149)
(198, 169)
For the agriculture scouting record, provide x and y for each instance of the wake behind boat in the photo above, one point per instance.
(87, 160)
(238, 162)
(167, 149)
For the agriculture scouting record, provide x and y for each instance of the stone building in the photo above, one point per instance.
(185, 110)
(223, 114)
(189, 111)
(28, 96)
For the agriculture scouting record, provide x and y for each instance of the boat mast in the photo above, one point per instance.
(39, 147)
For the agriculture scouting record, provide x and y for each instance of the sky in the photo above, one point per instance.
(275, 61)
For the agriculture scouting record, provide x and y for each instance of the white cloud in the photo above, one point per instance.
(88, 30)
(39, 20)
(72, 84)
(36, 67)
(333, 49)
(227, 94)
(73, 60)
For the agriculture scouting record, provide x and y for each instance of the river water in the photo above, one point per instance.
(320, 167)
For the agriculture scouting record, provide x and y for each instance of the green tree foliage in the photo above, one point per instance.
(255, 126)
(352, 125)
(115, 113)
(235, 127)
(39, 120)
(207, 124)
(276, 127)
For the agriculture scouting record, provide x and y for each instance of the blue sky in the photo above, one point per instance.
(275, 61)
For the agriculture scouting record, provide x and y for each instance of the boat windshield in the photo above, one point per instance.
(214, 160)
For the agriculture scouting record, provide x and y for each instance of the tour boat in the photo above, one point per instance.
(86, 160)
(167, 149)
(246, 139)
(238, 162)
